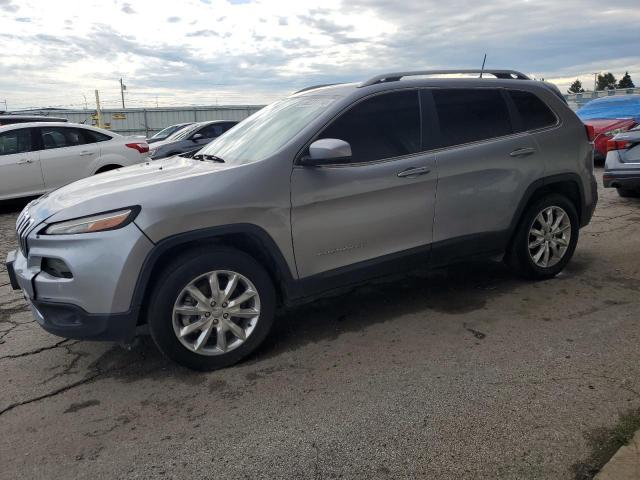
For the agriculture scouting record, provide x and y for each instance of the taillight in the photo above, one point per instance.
(591, 133)
(142, 147)
(616, 145)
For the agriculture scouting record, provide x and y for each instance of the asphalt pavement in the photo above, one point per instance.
(459, 373)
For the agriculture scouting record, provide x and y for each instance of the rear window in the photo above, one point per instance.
(95, 137)
(470, 115)
(533, 111)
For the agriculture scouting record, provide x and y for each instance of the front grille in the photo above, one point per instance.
(23, 226)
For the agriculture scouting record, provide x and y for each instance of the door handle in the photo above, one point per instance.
(414, 172)
(24, 161)
(522, 152)
(85, 153)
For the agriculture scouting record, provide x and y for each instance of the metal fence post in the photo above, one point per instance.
(146, 124)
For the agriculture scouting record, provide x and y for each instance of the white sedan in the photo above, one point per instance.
(36, 158)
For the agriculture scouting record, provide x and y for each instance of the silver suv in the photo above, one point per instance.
(327, 187)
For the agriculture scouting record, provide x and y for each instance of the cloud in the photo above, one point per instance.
(128, 9)
(8, 6)
(263, 49)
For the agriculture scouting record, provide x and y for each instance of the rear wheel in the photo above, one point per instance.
(546, 238)
(212, 309)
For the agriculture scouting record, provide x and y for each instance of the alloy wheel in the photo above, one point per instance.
(216, 312)
(549, 236)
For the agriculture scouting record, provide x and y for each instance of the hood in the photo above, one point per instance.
(120, 188)
(601, 125)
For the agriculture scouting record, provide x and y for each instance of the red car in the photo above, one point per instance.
(609, 116)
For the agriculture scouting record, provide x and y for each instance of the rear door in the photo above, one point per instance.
(374, 206)
(20, 173)
(67, 155)
(484, 169)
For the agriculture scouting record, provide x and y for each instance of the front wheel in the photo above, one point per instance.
(546, 238)
(212, 309)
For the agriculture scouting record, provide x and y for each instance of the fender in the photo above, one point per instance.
(545, 182)
(289, 287)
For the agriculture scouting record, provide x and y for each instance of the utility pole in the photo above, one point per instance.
(98, 110)
(123, 87)
(86, 106)
(595, 81)
(6, 109)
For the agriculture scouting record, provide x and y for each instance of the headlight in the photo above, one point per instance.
(93, 223)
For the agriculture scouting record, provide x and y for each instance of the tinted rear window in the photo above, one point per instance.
(470, 115)
(533, 111)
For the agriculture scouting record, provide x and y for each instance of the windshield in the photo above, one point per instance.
(268, 130)
(168, 131)
(184, 132)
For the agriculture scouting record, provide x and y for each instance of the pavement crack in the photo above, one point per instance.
(61, 343)
(53, 393)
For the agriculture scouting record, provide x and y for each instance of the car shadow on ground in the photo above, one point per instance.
(457, 289)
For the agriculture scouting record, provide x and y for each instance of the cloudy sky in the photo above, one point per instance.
(201, 52)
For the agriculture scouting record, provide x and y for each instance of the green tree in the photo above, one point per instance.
(626, 82)
(606, 81)
(576, 87)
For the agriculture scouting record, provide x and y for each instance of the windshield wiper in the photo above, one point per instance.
(204, 156)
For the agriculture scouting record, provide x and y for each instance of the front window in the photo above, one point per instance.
(268, 130)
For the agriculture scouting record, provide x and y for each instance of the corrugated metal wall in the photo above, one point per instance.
(147, 121)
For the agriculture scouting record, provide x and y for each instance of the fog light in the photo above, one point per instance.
(56, 268)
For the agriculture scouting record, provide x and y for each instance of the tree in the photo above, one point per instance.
(576, 87)
(626, 82)
(606, 82)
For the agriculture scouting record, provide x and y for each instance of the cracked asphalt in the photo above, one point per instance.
(466, 372)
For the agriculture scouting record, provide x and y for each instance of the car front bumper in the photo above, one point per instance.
(96, 303)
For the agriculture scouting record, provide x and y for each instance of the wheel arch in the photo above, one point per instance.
(568, 184)
(246, 238)
(106, 168)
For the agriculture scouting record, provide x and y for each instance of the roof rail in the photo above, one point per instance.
(394, 77)
(316, 86)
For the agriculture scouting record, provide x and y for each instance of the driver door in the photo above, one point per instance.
(379, 203)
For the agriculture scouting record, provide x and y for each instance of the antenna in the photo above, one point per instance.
(483, 60)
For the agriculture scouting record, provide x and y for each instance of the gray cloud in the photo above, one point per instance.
(174, 19)
(128, 9)
(8, 6)
(23, 19)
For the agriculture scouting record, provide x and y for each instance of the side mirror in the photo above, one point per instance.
(197, 136)
(327, 150)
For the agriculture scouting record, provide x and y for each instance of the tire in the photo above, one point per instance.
(522, 259)
(107, 168)
(166, 325)
(626, 193)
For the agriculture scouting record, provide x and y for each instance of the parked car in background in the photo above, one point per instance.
(622, 166)
(10, 119)
(328, 187)
(36, 158)
(189, 139)
(166, 132)
(609, 116)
